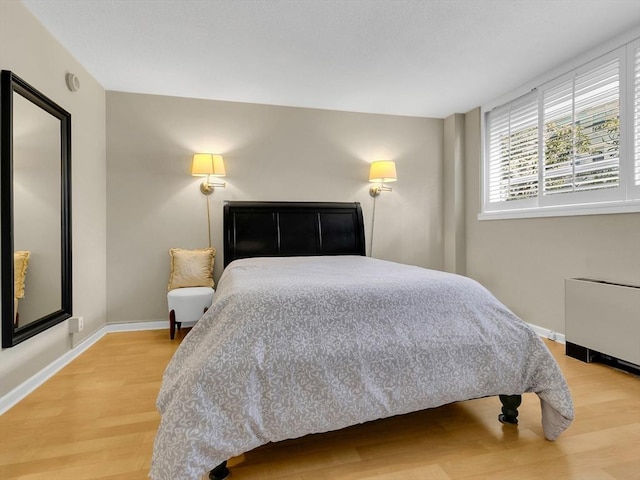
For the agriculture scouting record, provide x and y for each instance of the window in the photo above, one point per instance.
(513, 151)
(635, 60)
(570, 146)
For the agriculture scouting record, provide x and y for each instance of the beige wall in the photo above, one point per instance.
(271, 153)
(524, 262)
(32, 53)
(455, 250)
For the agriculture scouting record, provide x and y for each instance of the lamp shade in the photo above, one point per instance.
(204, 164)
(383, 171)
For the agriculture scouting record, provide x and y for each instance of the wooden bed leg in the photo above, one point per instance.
(510, 404)
(220, 472)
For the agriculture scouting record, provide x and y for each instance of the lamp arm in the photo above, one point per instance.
(207, 187)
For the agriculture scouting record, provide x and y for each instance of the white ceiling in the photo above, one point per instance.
(426, 58)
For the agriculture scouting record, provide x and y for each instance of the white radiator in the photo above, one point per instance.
(602, 318)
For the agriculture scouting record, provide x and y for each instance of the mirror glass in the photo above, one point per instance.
(35, 184)
(36, 208)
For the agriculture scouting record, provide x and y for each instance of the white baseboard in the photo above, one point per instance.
(550, 334)
(25, 388)
(137, 326)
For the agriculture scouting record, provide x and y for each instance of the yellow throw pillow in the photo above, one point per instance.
(191, 268)
(20, 264)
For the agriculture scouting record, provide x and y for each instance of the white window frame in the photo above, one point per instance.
(625, 198)
(633, 119)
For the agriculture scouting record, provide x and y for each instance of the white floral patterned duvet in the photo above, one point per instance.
(302, 345)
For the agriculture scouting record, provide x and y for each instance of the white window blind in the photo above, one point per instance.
(581, 132)
(513, 151)
(566, 145)
(636, 115)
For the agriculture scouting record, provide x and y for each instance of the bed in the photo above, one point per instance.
(307, 335)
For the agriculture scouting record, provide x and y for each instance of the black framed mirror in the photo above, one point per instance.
(35, 192)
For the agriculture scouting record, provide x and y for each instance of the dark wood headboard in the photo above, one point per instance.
(285, 229)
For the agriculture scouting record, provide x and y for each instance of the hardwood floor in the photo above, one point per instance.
(96, 419)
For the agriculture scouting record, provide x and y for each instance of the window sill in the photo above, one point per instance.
(632, 206)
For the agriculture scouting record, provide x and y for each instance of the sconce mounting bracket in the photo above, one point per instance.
(206, 188)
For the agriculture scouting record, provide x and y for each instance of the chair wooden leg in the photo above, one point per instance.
(172, 324)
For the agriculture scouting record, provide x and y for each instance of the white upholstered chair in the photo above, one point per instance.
(190, 285)
(187, 305)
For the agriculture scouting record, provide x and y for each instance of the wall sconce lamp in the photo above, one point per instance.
(381, 172)
(208, 165)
